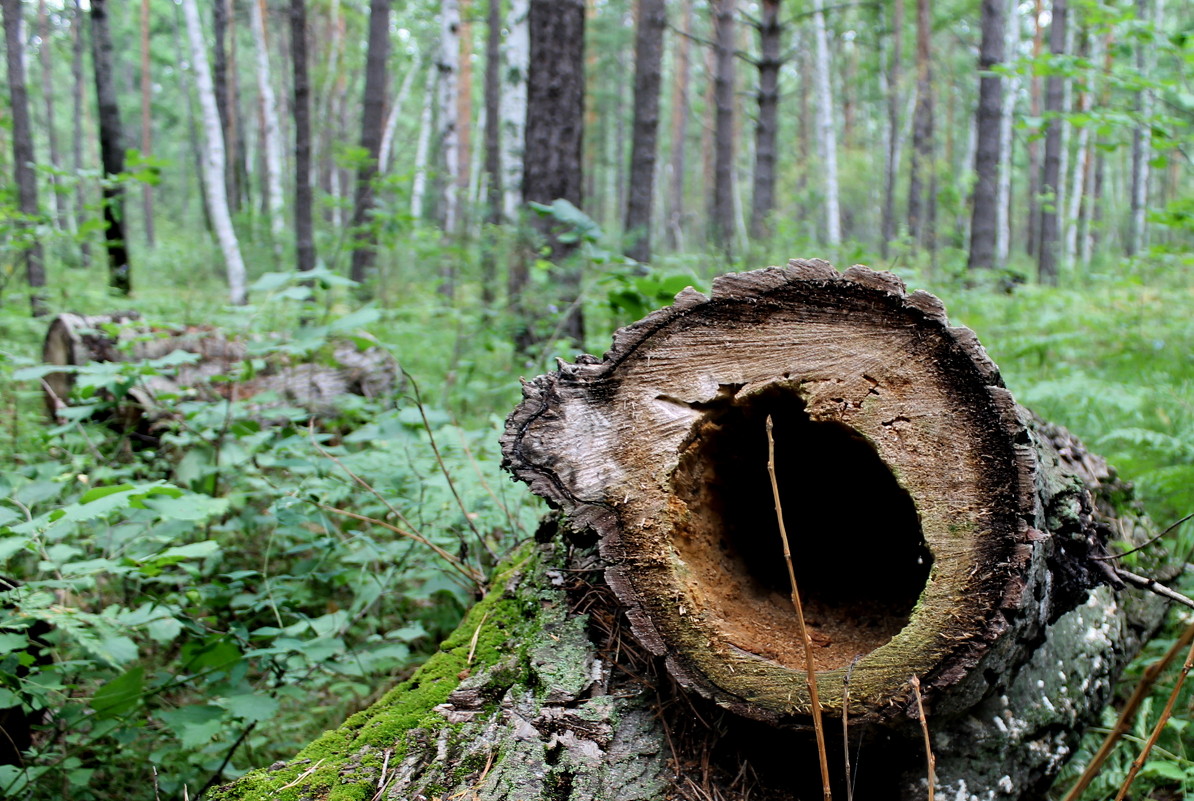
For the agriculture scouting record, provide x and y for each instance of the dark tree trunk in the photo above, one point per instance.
(894, 97)
(219, 70)
(111, 149)
(22, 153)
(47, 92)
(922, 130)
(648, 59)
(984, 213)
(680, 111)
(555, 131)
(373, 117)
(721, 213)
(1032, 237)
(1050, 239)
(304, 236)
(645, 648)
(494, 190)
(767, 128)
(76, 24)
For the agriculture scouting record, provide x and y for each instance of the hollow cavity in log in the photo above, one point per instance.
(860, 558)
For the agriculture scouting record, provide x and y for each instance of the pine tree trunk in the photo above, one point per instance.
(23, 156)
(372, 119)
(681, 108)
(922, 129)
(894, 136)
(1051, 174)
(767, 127)
(721, 212)
(271, 142)
(494, 211)
(47, 92)
(645, 647)
(648, 60)
(304, 235)
(988, 125)
(826, 130)
(213, 162)
(111, 150)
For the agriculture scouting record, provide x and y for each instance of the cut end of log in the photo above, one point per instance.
(904, 469)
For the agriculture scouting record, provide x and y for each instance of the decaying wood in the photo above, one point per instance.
(647, 649)
(75, 340)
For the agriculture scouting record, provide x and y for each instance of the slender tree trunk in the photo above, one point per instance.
(78, 89)
(304, 235)
(220, 14)
(681, 108)
(922, 129)
(146, 120)
(22, 153)
(555, 131)
(894, 137)
(47, 92)
(271, 142)
(1078, 184)
(826, 134)
(418, 189)
(1095, 215)
(111, 149)
(372, 118)
(767, 128)
(1003, 233)
(449, 134)
(516, 55)
(988, 118)
(1034, 146)
(494, 212)
(1051, 176)
(214, 156)
(721, 213)
(195, 145)
(648, 60)
(1141, 142)
(395, 112)
(464, 115)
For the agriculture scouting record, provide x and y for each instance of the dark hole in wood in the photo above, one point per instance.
(860, 558)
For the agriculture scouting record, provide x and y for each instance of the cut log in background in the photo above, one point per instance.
(75, 340)
(651, 651)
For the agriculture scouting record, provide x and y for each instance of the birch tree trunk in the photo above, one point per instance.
(894, 135)
(516, 54)
(271, 141)
(213, 148)
(1003, 210)
(1051, 175)
(681, 108)
(464, 117)
(448, 134)
(23, 156)
(767, 127)
(1077, 190)
(111, 149)
(47, 92)
(372, 118)
(988, 127)
(418, 188)
(395, 112)
(826, 134)
(1141, 142)
(648, 59)
(721, 212)
(304, 223)
(1032, 240)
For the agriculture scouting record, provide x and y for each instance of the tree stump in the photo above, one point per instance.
(938, 531)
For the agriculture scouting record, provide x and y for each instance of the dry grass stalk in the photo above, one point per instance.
(924, 727)
(1124, 723)
(809, 667)
(1156, 733)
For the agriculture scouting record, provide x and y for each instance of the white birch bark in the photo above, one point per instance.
(418, 190)
(387, 136)
(213, 161)
(1003, 229)
(449, 71)
(270, 140)
(516, 55)
(826, 140)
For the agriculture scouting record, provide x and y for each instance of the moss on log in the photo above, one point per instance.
(649, 652)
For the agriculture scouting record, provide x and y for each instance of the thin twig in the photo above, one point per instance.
(809, 667)
(472, 646)
(846, 726)
(924, 727)
(1128, 714)
(301, 776)
(1152, 585)
(1145, 544)
(215, 777)
(1156, 733)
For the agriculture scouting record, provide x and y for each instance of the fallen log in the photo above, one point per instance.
(75, 340)
(648, 650)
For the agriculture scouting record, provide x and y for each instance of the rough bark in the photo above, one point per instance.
(892, 171)
(721, 209)
(372, 119)
(111, 150)
(596, 666)
(648, 60)
(826, 130)
(988, 118)
(22, 153)
(1051, 175)
(214, 158)
(554, 131)
(304, 234)
(681, 108)
(767, 127)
